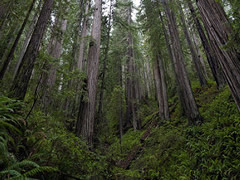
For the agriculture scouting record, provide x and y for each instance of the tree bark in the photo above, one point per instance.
(20, 83)
(109, 27)
(209, 51)
(161, 87)
(186, 94)
(27, 40)
(131, 100)
(14, 46)
(219, 30)
(4, 13)
(55, 51)
(199, 53)
(89, 108)
(195, 57)
(80, 63)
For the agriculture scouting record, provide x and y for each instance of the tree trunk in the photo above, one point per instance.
(219, 30)
(20, 83)
(195, 58)
(186, 94)
(100, 108)
(27, 40)
(209, 51)
(55, 51)
(199, 53)
(14, 46)
(89, 109)
(161, 88)
(4, 13)
(131, 111)
(80, 63)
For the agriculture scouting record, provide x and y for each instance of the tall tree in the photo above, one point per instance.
(219, 30)
(195, 57)
(89, 109)
(185, 92)
(28, 38)
(55, 51)
(105, 58)
(20, 82)
(131, 100)
(161, 87)
(14, 46)
(209, 51)
(84, 32)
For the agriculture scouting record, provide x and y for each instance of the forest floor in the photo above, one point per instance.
(160, 150)
(174, 150)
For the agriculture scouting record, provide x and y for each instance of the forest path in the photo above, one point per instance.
(137, 149)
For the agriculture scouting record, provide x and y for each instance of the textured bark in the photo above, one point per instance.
(209, 51)
(186, 94)
(80, 63)
(219, 30)
(4, 13)
(89, 108)
(55, 51)
(109, 27)
(195, 57)
(7, 43)
(120, 103)
(161, 87)
(20, 83)
(199, 53)
(28, 38)
(14, 46)
(131, 100)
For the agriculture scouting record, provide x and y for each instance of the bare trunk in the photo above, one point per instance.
(219, 30)
(120, 103)
(161, 89)
(55, 51)
(20, 83)
(209, 51)
(131, 100)
(27, 40)
(80, 63)
(195, 58)
(89, 109)
(186, 94)
(100, 108)
(199, 53)
(14, 46)
(4, 13)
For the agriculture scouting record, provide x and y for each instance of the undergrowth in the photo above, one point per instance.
(44, 148)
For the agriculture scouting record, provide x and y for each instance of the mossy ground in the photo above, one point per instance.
(176, 151)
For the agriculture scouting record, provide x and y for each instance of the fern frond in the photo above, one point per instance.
(40, 170)
(11, 172)
(23, 164)
(5, 125)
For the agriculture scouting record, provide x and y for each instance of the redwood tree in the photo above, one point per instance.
(89, 107)
(21, 80)
(185, 92)
(219, 30)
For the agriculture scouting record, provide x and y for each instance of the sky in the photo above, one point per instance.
(136, 4)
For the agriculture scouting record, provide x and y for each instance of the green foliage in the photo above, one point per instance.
(177, 151)
(11, 127)
(59, 148)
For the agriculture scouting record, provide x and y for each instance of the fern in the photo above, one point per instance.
(7, 126)
(23, 164)
(39, 170)
(11, 172)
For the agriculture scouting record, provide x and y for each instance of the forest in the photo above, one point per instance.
(119, 89)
